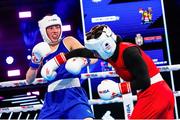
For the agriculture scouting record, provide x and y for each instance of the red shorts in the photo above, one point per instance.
(157, 102)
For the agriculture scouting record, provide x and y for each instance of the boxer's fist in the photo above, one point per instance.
(108, 89)
(74, 65)
(39, 51)
(48, 71)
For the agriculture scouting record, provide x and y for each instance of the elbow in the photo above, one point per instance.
(145, 84)
(140, 84)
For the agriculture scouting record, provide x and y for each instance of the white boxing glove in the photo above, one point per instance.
(74, 65)
(39, 51)
(108, 89)
(48, 71)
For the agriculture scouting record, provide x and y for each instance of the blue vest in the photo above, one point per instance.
(61, 71)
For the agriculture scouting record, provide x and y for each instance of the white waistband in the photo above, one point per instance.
(63, 84)
(156, 78)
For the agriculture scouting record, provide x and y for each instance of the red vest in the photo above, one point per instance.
(121, 69)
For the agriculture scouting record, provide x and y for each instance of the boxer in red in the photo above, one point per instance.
(134, 66)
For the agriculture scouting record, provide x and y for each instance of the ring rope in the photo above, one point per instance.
(91, 102)
(18, 83)
(21, 108)
(118, 99)
(165, 68)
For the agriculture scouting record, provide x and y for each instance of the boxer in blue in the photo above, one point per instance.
(65, 98)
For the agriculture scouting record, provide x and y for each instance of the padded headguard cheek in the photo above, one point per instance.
(46, 22)
(109, 33)
(102, 40)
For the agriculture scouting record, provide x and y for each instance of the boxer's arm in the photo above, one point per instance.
(137, 66)
(75, 64)
(77, 49)
(39, 51)
(31, 75)
(80, 52)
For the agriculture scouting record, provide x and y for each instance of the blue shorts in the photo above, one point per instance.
(66, 104)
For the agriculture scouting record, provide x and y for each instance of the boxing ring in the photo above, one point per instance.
(126, 99)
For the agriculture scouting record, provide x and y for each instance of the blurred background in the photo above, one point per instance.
(19, 33)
